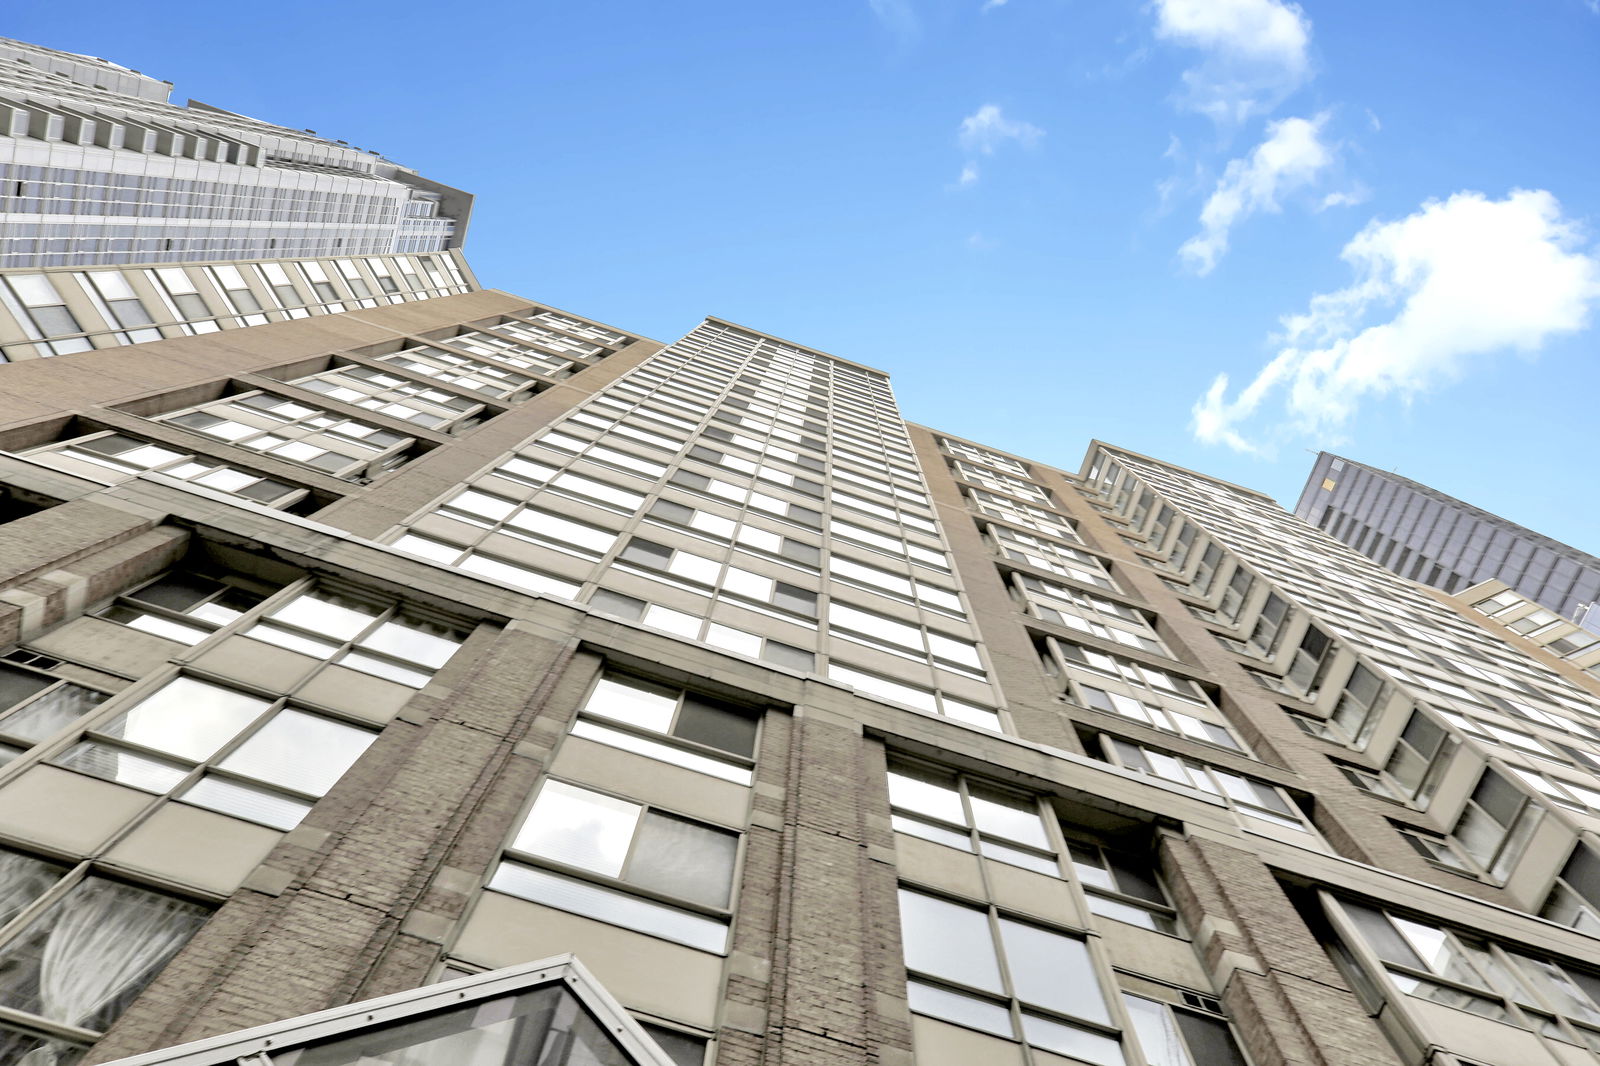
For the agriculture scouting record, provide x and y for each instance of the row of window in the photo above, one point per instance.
(135, 306)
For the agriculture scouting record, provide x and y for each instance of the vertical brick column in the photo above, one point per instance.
(1291, 1005)
(332, 915)
(829, 923)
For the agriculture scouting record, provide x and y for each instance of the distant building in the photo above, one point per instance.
(1434, 539)
(125, 218)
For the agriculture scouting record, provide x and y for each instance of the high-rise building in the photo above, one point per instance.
(460, 680)
(684, 704)
(126, 218)
(1567, 639)
(1422, 534)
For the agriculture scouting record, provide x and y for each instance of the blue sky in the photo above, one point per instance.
(1049, 220)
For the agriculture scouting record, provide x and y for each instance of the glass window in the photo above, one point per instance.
(1173, 1036)
(970, 814)
(1496, 824)
(182, 606)
(1574, 899)
(979, 968)
(1163, 718)
(83, 957)
(373, 637)
(1122, 886)
(1430, 962)
(663, 853)
(913, 696)
(706, 735)
(221, 748)
(118, 456)
(35, 705)
(295, 432)
(1246, 795)
(1154, 679)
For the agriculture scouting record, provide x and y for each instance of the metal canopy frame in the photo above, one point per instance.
(252, 1047)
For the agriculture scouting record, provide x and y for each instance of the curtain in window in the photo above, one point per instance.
(106, 941)
(23, 880)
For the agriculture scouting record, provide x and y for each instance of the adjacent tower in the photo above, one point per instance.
(125, 218)
(1422, 534)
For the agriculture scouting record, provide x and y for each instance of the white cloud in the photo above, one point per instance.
(987, 4)
(897, 16)
(1460, 278)
(1292, 156)
(1256, 52)
(1356, 194)
(986, 128)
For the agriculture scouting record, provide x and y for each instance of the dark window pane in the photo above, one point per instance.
(717, 725)
(176, 591)
(1135, 878)
(690, 479)
(1499, 799)
(1582, 872)
(329, 461)
(115, 444)
(1382, 937)
(1422, 733)
(801, 552)
(17, 685)
(788, 655)
(672, 512)
(1209, 1040)
(617, 604)
(796, 599)
(265, 490)
(647, 553)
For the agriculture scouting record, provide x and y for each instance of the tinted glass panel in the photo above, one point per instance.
(717, 725)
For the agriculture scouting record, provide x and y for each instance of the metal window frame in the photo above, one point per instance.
(259, 1045)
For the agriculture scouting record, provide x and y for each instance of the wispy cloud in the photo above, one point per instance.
(987, 4)
(898, 17)
(1292, 156)
(1460, 278)
(1255, 53)
(1356, 194)
(985, 130)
